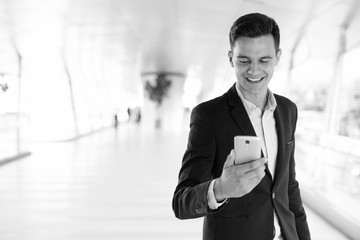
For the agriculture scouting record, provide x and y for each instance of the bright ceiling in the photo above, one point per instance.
(176, 36)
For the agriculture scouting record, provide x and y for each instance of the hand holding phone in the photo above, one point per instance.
(249, 169)
(247, 148)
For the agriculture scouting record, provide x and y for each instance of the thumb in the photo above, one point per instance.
(230, 159)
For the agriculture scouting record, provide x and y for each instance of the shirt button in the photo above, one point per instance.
(273, 196)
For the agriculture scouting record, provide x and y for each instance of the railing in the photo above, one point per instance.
(328, 169)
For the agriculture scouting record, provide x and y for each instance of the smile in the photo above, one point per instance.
(255, 79)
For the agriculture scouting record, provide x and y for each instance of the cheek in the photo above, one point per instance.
(239, 73)
(269, 69)
(240, 69)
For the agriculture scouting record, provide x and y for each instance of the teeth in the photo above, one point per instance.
(254, 79)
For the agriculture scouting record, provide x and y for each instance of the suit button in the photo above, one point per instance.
(273, 195)
(199, 211)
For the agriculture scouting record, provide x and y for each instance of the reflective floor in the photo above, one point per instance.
(113, 184)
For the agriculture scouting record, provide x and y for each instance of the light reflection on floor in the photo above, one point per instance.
(113, 184)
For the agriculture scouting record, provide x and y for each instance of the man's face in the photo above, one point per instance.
(254, 61)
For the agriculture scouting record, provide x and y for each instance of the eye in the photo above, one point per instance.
(265, 60)
(244, 60)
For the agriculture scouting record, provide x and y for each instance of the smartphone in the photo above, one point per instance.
(247, 148)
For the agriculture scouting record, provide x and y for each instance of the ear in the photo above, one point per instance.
(278, 55)
(230, 58)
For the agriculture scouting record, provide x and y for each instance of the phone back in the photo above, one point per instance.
(247, 148)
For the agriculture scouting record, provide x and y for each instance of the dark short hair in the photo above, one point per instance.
(254, 25)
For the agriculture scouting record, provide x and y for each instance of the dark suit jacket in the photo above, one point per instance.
(213, 126)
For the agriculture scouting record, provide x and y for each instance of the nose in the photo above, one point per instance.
(253, 68)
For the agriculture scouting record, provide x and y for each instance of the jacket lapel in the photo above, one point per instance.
(239, 114)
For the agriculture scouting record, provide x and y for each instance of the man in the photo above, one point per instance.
(258, 199)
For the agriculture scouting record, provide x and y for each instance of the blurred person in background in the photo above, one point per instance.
(260, 199)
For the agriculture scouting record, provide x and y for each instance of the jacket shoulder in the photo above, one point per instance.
(212, 105)
(284, 102)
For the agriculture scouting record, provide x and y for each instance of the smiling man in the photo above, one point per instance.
(260, 199)
(254, 61)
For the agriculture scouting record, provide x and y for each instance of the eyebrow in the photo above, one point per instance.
(243, 56)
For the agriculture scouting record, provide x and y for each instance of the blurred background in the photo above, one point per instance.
(95, 100)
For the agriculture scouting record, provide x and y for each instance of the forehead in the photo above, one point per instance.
(258, 46)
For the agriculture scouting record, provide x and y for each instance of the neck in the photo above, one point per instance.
(259, 99)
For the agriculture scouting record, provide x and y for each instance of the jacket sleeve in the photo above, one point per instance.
(190, 196)
(295, 201)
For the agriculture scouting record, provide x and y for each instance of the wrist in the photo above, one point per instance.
(219, 196)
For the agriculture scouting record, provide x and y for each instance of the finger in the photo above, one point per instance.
(250, 166)
(253, 182)
(265, 160)
(250, 183)
(230, 159)
(256, 175)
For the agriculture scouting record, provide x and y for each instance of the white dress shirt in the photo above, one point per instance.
(265, 128)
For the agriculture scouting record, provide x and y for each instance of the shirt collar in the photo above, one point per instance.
(250, 107)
